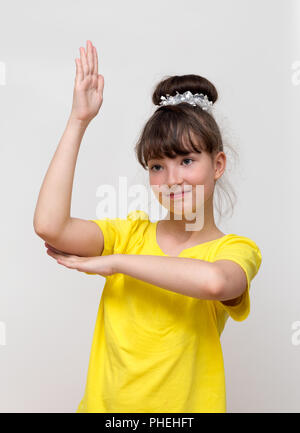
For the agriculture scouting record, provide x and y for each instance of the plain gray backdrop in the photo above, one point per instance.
(250, 50)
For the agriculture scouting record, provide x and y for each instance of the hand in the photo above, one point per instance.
(102, 265)
(88, 88)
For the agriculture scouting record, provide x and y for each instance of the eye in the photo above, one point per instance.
(188, 159)
(157, 165)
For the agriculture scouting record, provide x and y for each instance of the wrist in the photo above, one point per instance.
(78, 123)
(116, 263)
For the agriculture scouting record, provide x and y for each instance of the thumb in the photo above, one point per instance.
(100, 83)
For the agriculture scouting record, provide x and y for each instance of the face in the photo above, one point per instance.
(184, 173)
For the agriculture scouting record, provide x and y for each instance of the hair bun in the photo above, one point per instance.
(183, 83)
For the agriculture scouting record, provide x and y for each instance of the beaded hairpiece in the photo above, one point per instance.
(194, 99)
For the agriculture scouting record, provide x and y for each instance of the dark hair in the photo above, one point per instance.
(168, 131)
(182, 128)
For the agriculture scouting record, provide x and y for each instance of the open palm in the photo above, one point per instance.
(102, 265)
(88, 88)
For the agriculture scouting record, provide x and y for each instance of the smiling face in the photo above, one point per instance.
(184, 173)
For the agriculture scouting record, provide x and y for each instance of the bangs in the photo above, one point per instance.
(170, 134)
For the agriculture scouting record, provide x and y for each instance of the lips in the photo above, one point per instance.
(174, 194)
(178, 195)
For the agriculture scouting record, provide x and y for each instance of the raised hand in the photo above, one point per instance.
(88, 88)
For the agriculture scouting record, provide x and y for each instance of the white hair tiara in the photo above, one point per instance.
(194, 99)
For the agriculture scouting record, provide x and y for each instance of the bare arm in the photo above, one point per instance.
(54, 202)
(187, 276)
(52, 219)
(191, 277)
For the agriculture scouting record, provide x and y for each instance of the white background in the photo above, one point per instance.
(247, 49)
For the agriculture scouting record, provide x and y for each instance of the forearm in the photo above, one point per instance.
(54, 201)
(187, 276)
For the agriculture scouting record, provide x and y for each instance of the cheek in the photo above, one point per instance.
(154, 183)
(153, 177)
(156, 180)
(155, 186)
(201, 175)
(197, 177)
(205, 181)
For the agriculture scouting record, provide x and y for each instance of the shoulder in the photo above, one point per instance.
(242, 250)
(239, 259)
(236, 242)
(239, 249)
(119, 233)
(138, 222)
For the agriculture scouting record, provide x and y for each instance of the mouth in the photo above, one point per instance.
(178, 195)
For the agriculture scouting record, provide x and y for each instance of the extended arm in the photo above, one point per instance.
(222, 280)
(190, 277)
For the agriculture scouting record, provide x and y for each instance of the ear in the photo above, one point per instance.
(219, 164)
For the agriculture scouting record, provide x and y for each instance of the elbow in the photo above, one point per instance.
(44, 232)
(40, 232)
(38, 228)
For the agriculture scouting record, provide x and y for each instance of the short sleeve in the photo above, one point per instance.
(246, 253)
(117, 231)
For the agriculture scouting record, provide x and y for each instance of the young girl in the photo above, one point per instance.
(169, 290)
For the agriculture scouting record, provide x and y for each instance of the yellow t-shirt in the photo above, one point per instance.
(155, 350)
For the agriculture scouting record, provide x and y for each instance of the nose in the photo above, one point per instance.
(173, 177)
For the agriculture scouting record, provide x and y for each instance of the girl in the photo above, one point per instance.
(169, 290)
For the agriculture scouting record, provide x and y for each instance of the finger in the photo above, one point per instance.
(95, 61)
(54, 254)
(67, 264)
(71, 264)
(51, 247)
(79, 70)
(89, 49)
(57, 256)
(54, 249)
(84, 62)
(65, 261)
